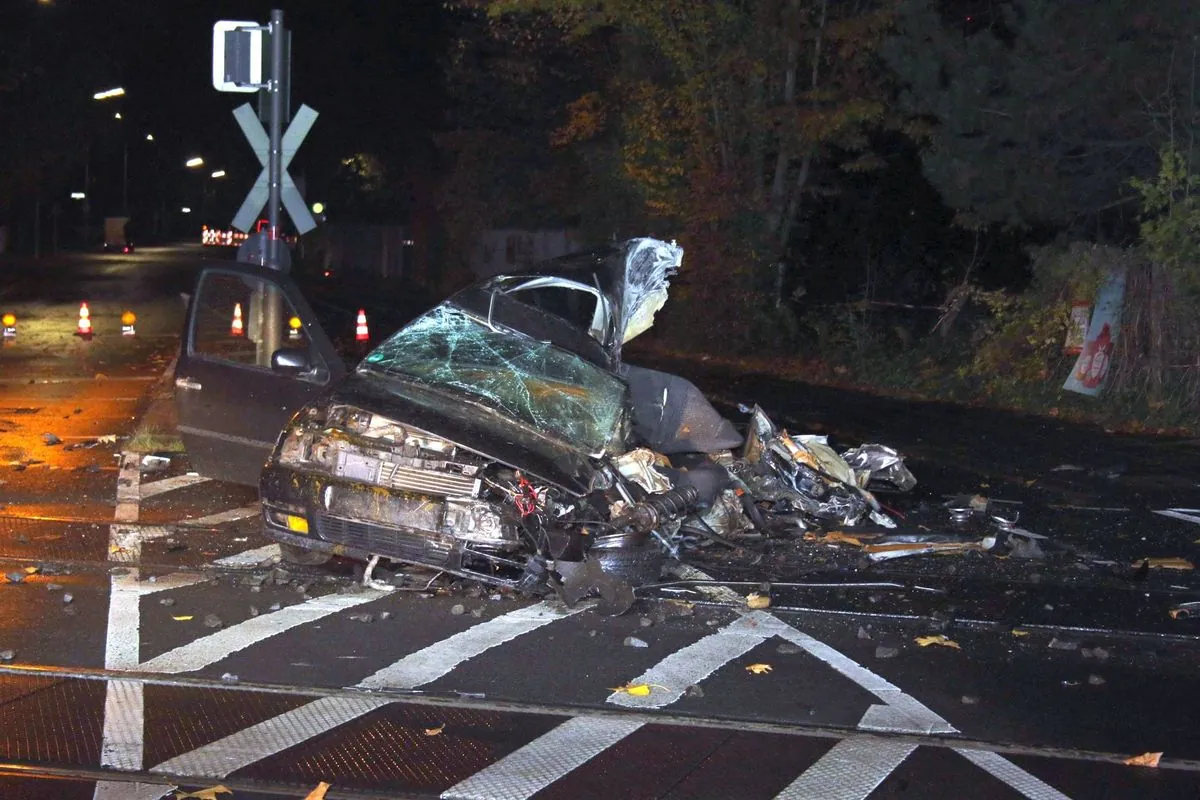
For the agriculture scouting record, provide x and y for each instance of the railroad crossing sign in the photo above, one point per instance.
(289, 194)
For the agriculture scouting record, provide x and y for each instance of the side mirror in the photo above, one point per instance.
(291, 361)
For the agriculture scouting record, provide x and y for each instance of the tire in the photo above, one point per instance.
(303, 557)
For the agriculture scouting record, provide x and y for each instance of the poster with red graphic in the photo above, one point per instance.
(1091, 368)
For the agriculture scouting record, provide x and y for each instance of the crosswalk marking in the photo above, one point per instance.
(543, 761)
(433, 662)
(1008, 772)
(252, 510)
(163, 485)
(207, 650)
(1185, 514)
(851, 770)
(250, 558)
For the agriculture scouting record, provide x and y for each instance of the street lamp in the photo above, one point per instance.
(193, 162)
(219, 174)
(186, 210)
(109, 93)
(149, 137)
(78, 195)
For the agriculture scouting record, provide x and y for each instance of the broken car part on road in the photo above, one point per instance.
(500, 437)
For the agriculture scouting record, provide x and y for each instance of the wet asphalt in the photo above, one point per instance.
(1075, 651)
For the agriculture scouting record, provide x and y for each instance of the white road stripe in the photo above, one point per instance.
(433, 662)
(127, 489)
(210, 649)
(267, 738)
(124, 721)
(1185, 514)
(250, 558)
(225, 516)
(1008, 772)
(543, 761)
(851, 770)
(313, 719)
(155, 488)
(671, 677)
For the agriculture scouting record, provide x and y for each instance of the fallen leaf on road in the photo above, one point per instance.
(759, 669)
(840, 537)
(1144, 760)
(637, 689)
(938, 639)
(204, 794)
(1164, 563)
(184, 618)
(32, 570)
(1016, 632)
(756, 600)
(109, 439)
(435, 731)
(319, 792)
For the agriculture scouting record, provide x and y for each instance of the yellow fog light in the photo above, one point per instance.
(9, 320)
(128, 318)
(297, 524)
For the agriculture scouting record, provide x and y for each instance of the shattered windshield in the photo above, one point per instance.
(536, 383)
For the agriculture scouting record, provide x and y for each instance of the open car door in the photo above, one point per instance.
(252, 353)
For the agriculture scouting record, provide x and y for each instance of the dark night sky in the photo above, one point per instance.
(370, 67)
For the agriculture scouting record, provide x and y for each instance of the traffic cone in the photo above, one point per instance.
(10, 326)
(127, 321)
(360, 327)
(235, 328)
(84, 328)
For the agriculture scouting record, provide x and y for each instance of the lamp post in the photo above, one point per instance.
(109, 94)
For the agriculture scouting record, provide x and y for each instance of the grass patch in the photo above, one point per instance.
(154, 439)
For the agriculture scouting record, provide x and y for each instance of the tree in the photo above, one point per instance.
(1042, 111)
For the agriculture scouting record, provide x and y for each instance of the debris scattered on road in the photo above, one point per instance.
(886, 652)
(637, 689)
(633, 641)
(758, 669)
(1018, 632)
(1144, 760)
(362, 617)
(54, 587)
(154, 463)
(940, 639)
(212, 621)
(204, 794)
(166, 601)
(7, 655)
(435, 731)
(15, 577)
(1063, 644)
(50, 439)
(1067, 468)
(970, 700)
(756, 600)
(1096, 680)
(1185, 611)
(229, 677)
(68, 598)
(1173, 562)
(458, 609)
(318, 793)
(1098, 653)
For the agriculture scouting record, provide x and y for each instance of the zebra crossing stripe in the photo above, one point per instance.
(252, 510)
(242, 749)
(155, 488)
(540, 763)
(1185, 514)
(1008, 772)
(250, 558)
(207, 650)
(851, 770)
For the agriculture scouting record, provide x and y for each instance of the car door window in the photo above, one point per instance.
(243, 319)
(578, 304)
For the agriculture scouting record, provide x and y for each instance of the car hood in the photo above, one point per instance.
(470, 425)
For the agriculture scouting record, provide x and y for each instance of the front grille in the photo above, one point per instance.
(446, 484)
(382, 539)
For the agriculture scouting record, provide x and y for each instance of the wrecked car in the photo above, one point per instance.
(499, 436)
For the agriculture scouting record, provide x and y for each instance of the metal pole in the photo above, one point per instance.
(275, 162)
(125, 178)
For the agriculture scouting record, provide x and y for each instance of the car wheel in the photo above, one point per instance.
(302, 556)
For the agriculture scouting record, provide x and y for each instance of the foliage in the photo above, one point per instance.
(1042, 109)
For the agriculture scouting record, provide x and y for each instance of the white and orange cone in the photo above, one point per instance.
(10, 326)
(84, 327)
(128, 320)
(235, 327)
(360, 327)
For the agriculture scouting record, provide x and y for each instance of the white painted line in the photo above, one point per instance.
(320, 716)
(671, 677)
(127, 488)
(1185, 514)
(118, 790)
(851, 770)
(267, 738)
(1011, 774)
(124, 621)
(155, 488)
(124, 721)
(225, 516)
(433, 662)
(176, 580)
(227, 641)
(250, 558)
(543, 761)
